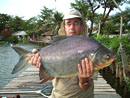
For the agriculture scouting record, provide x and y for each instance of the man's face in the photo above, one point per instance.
(73, 26)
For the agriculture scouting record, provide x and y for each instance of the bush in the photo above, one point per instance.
(11, 39)
(2, 42)
(114, 43)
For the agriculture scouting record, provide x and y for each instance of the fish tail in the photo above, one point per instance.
(25, 56)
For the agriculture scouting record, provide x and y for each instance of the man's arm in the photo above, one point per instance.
(85, 85)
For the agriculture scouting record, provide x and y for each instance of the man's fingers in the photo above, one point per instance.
(91, 68)
(80, 69)
(38, 62)
(30, 61)
(35, 59)
(84, 67)
(87, 66)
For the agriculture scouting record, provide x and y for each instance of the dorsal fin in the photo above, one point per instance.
(58, 38)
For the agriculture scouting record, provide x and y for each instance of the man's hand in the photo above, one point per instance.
(36, 59)
(86, 71)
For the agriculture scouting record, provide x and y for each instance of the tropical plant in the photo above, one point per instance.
(49, 20)
(30, 25)
(56, 22)
(93, 5)
(4, 21)
(16, 23)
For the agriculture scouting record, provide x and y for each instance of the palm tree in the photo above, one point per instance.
(49, 21)
(56, 22)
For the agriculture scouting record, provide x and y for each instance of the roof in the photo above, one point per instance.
(20, 33)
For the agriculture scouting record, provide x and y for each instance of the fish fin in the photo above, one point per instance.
(25, 56)
(43, 74)
(51, 78)
(58, 38)
(45, 80)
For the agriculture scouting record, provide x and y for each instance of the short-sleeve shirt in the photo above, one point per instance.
(69, 88)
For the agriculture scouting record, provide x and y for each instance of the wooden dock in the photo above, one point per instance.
(29, 81)
(39, 43)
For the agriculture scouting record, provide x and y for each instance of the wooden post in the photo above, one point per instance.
(124, 59)
(120, 16)
(117, 70)
(99, 29)
(121, 26)
(121, 51)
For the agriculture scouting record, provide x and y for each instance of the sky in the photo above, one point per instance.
(32, 8)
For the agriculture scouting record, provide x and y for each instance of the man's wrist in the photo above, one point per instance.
(84, 83)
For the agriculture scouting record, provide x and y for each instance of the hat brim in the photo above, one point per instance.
(71, 16)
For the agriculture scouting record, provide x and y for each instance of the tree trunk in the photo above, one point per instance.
(104, 20)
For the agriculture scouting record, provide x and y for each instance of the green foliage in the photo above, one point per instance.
(49, 20)
(56, 21)
(11, 39)
(46, 14)
(4, 21)
(2, 42)
(13, 23)
(110, 27)
(127, 80)
(115, 21)
(126, 41)
(88, 8)
(31, 25)
(103, 39)
(16, 24)
(82, 7)
(114, 43)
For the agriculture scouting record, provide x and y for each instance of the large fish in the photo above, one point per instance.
(61, 58)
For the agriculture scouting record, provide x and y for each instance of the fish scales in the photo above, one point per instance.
(61, 58)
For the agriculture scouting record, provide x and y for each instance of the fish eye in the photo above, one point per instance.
(92, 54)
(108, 56)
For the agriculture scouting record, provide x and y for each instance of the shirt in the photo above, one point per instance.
(69, 88)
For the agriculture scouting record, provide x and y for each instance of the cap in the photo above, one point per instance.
(72, 14)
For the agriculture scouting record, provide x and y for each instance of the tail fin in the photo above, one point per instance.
(25, 56)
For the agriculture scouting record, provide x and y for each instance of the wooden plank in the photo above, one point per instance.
(107, 96)
(29, 80)
(104, 90)
(103, 93)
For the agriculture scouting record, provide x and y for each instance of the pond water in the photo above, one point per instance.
(114, 82)
(8, 59)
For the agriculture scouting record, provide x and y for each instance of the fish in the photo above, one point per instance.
(61, 58)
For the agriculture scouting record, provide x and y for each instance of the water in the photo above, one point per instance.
(114, 82)
(8, 59)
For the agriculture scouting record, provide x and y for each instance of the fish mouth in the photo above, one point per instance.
(103, 65)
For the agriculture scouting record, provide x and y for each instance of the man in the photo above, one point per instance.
(76, 87)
